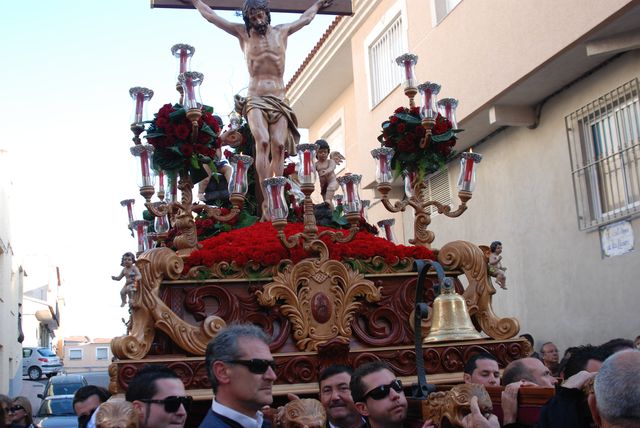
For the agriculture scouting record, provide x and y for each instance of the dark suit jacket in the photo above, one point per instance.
(215, 420)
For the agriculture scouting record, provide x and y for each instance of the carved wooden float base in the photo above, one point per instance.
(298, 371)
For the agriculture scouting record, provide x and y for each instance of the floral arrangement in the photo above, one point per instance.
(260, 244)
(170, 135)
(404, 133)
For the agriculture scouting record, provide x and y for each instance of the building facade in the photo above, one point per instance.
(548, 95)
(11, 286)
(82, 354)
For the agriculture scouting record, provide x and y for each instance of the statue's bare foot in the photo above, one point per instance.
(265, 211)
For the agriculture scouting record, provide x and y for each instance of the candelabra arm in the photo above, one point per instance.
(394, 208)
(216, 213)
(354, 220)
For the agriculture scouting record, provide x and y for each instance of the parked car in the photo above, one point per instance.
(39, 361)
(63, 385)
(56, 411)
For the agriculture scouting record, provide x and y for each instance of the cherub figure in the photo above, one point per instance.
(495, 266)
(132, 274)
(326, 166)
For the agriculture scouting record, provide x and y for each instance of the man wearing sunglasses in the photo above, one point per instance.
(86, 400)
(242, 371)
(335, 396)
(378, 395)
(158, 394)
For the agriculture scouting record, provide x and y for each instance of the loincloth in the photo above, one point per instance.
(272, 108)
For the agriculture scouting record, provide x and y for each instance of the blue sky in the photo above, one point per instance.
(66, 70)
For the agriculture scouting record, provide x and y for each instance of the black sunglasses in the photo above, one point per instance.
(172, 404)
(256, 365)
(13, 409)
(382, 391)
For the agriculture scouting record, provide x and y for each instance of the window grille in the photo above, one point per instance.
(384, 72)
(604, 147)
(437, 189)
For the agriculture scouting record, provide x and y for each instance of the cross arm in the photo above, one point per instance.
(339, 7)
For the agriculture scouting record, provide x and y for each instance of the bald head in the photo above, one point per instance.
(617, 391)
(529, 369)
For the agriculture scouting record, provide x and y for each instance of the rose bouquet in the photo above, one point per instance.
(404, 133)
(175, 148)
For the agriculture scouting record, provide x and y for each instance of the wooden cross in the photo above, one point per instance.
(339, 7)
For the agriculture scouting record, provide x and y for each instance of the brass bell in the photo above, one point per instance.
(450, 320)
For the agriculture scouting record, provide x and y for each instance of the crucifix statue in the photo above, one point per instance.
(272, 122)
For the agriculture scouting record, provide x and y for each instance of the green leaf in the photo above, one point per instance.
(409, 118)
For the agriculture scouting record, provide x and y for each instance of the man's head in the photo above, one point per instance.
(549, 353)
(482, 369)
(158, 395)
(241, 368)
(616, 398)
(615, 345)
(335, 395)
(529, 369)
(586, 357)
(256, 15)
(86, 400)
(378, 395)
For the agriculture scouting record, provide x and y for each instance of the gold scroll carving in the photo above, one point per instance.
(150, 312)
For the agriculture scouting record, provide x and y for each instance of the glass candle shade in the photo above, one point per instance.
(190, 81)
(447, 108)
(429, 97)
(143, 153)
(274, 189)
(129, 204)
(387, 226)
(410, 178)
(306, 163)
(161, 223)
(383, 156)
(407, 63)
(364, 210)
(240, 165)
(351, 197)
(235, 120)
(140, 97)
(183, 53)
(160, 183)
(467, 177)
(140, 229)
(171, 192)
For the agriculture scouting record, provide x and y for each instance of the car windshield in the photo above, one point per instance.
(57, 407)
(63, 388)
(46, 352)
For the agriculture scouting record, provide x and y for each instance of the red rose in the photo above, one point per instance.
(415, 111)
(199, 148)
(420, 131)
(399, 110)
(228, 154)
(182, 131)
(186, 150)
(401, 127)
(393, 119)
(289, 169)
(406, 145)
(162, 121)
(165, 110)
(170, 130)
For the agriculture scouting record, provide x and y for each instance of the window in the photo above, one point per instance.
(442, 8)
(335, 137)
(384, 73)
(437, 189)
(604, 146)
(102, 353)
(75, 354)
